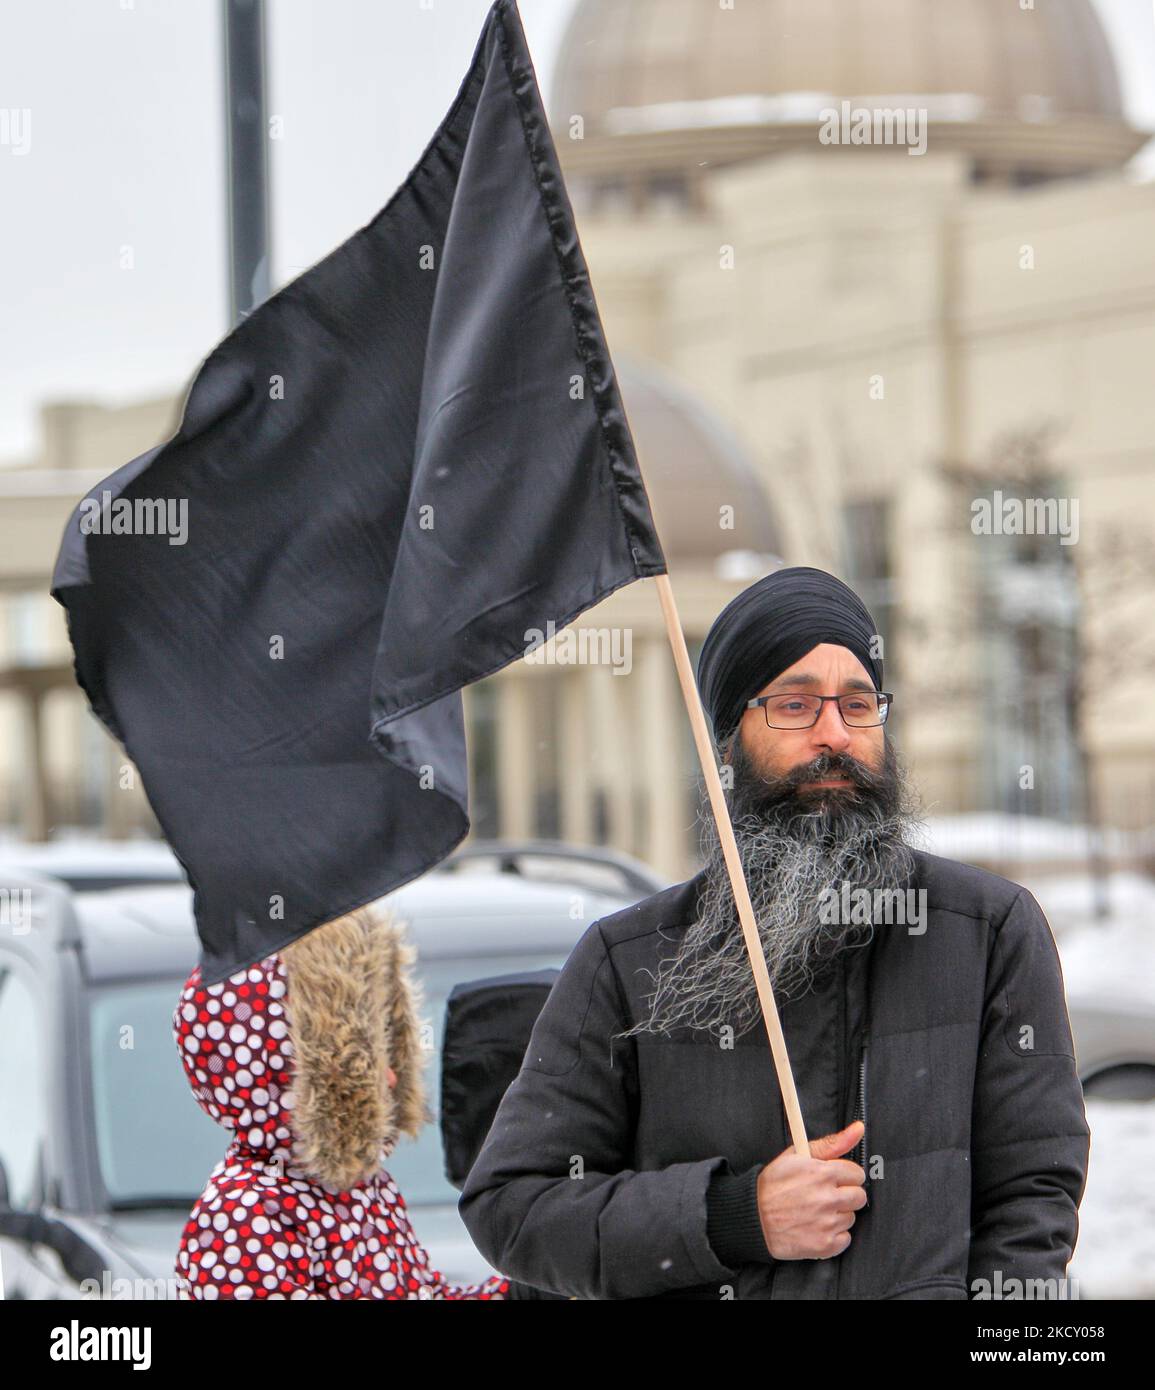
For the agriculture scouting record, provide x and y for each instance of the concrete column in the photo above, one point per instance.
(35, 810)
(608, 712)
(658, 737)
(120, 803)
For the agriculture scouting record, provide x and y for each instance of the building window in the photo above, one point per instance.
(866, 553)
(1028, 600)
(481, 714)
(547, 714)
(668, 193)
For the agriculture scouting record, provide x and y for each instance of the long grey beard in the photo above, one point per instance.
(790, 853)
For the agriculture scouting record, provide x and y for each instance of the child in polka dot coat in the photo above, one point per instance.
(311, 1059)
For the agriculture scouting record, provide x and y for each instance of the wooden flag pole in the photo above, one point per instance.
(733, 863)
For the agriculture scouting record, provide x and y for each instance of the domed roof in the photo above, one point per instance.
(634, 69)
(693, 466)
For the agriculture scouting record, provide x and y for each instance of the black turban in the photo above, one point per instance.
(770, 626)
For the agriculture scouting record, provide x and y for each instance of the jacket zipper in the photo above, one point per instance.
(860, 1147)
(861, 1113)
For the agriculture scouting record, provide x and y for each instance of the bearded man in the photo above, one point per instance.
(643, 1149)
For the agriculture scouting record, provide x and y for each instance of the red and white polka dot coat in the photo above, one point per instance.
(262, 1229)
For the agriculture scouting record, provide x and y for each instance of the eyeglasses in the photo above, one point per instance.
(864, 709)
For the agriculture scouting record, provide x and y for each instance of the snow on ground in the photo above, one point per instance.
(1115, 1253)
(989, 836)
(1114, 955)
(1112, 958)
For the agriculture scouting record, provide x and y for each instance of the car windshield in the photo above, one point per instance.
(157, 1147)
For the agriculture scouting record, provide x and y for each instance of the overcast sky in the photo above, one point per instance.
(127, 151)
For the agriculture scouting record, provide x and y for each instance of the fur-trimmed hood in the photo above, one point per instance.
(352, 1015)
(292, 1054)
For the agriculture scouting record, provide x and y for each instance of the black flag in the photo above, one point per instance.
(385, 478)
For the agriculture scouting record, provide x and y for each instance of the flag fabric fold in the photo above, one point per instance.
(386, 477)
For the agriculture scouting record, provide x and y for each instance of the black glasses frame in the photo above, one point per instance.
(885, 698)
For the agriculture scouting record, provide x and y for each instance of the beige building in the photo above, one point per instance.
(896, 249)
(882, 356)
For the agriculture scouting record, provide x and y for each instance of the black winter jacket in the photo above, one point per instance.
(626, 1168)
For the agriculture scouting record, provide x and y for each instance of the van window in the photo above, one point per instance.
(23, 1081)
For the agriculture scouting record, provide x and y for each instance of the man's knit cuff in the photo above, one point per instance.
(733, 1226)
